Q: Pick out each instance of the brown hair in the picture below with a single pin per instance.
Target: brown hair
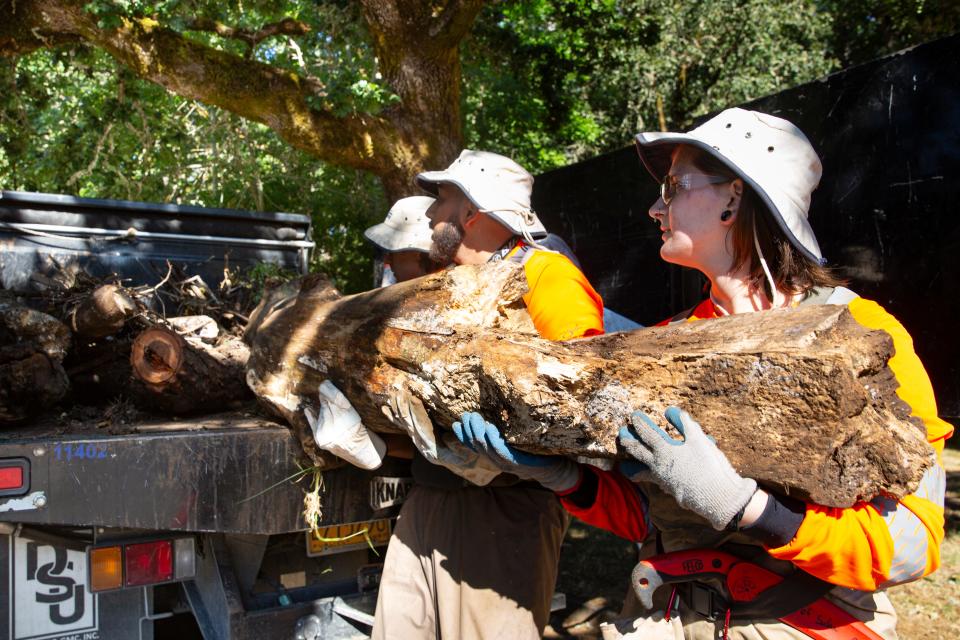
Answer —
(793, 272)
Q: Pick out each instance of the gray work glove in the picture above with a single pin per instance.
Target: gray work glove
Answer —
(407, 412)
(693, 470)
(553, 472)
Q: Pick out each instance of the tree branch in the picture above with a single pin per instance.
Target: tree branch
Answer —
(423, 130)
(454, 21)
(23, 29)
(251, 89)
(287, 26)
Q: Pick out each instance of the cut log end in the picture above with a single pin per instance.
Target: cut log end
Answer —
(184, 375)
(157, 355)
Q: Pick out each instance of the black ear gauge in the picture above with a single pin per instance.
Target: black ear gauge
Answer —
(726, 215)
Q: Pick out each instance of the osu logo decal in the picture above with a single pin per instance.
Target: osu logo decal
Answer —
(66, 598)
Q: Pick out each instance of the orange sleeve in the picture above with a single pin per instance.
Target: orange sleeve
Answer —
(618, 507)
(561, 302)
(876, 544)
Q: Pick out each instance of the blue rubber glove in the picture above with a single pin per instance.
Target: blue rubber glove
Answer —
(693, 470)
(553, 472)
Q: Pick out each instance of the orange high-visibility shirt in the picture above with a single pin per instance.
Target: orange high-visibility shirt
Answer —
(561, 301)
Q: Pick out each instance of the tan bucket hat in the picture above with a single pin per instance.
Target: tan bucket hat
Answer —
(769, 153)
(406, 227)
(497, 185)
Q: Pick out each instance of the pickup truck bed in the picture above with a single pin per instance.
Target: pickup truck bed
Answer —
(218, 473)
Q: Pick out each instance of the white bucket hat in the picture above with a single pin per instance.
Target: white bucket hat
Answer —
(497, 185)
(406, 227)
(768, 153)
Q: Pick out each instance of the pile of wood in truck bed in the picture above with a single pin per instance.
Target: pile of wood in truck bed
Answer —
(81, 344)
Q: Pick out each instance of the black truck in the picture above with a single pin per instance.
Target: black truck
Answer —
(191, 527)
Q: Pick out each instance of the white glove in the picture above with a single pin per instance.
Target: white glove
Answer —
(408, 413)
(339, 430)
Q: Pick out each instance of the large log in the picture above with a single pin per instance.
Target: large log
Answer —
(802, 400)
(32, 348)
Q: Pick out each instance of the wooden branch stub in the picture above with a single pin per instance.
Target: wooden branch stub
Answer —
(103, 313)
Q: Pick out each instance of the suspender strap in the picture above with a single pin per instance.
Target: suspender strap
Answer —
(751, 592)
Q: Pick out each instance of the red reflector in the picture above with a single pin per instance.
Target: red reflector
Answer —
(149, 562)
(11, 478)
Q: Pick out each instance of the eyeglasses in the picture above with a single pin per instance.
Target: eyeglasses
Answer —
(672, 184)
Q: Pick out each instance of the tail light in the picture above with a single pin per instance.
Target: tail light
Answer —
(106, 568)
(14, 476)
(148, 562)
(136, 564)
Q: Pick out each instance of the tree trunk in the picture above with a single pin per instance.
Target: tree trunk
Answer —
(802, 400)
(32, 348)
(182, 375)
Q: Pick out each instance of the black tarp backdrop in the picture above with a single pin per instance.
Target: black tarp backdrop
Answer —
(886, 213)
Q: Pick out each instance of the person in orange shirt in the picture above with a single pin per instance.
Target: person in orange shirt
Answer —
(735, 193)
(476, 556)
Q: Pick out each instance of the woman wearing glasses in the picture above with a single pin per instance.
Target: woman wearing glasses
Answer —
(735, 193)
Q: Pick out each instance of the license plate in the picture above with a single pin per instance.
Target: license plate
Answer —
(338, 538)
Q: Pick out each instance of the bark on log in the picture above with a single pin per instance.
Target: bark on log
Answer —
(182, 375)
(32, 347)
(99, 369)
(802, 400)
(279, 295)
(102, 313)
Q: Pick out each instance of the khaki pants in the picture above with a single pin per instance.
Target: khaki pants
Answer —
(471, 563)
